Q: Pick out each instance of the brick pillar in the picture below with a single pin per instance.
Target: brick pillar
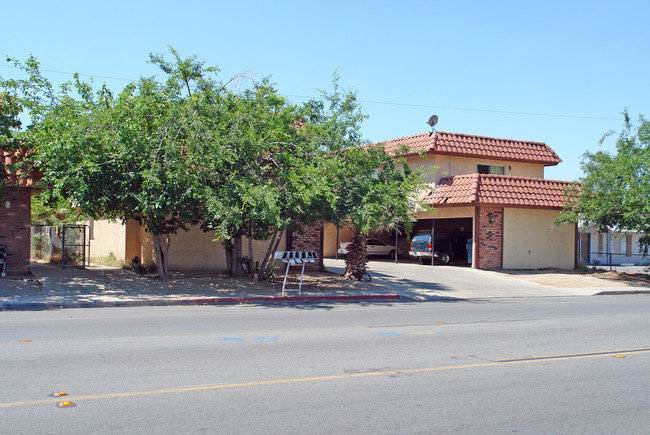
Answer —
(15, 224)
(311, 239)
(489, 232)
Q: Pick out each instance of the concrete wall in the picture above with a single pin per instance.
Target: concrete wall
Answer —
(107, 238)
(329, 239)
(531, 242)
(452, 165)
(133, 244)
(191, 250)
(196, 250)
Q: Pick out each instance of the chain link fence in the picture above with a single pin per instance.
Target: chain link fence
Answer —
(67, 245)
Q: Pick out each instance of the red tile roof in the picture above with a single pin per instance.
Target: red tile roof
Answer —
(498, 190)
(467, 145)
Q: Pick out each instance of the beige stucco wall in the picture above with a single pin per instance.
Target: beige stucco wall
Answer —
(134, 233)
(329, 239)
(446, 212)
(531, 242)
(452, 165)
(191, 250)
(196, 250)
(107, 238)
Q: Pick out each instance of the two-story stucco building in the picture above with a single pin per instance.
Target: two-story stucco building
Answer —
(494, 188)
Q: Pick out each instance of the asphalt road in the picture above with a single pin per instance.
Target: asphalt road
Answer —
(547, 365)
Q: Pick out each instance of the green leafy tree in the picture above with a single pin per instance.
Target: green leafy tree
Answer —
(47, 212)
(367, 189)
(120, 157)
(10, 109)
(373, 191)
(615, 189)
(260, 176)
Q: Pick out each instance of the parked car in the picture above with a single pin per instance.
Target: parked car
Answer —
(374, 247)
(448, 245)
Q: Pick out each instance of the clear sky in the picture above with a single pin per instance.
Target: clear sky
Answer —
(559, 72)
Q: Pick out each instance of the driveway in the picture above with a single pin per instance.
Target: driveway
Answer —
(426, 282)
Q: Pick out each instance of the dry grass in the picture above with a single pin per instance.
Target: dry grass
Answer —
(577, 279)
(313, 282)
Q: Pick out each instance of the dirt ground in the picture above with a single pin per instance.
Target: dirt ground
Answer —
(330, 282)
(579, 279)
(313, 282)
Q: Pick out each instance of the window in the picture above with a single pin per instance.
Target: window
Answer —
(628, 245)
(491, 169)
(600, 244)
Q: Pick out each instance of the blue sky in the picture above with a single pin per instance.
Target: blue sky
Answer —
(559, 72)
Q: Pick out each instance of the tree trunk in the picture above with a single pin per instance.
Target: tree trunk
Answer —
(237, 269)
(229, 248)
(161, 247)
(251, 265)
(268, 257)
(356, 259)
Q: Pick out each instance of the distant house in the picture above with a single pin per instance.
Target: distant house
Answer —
(610, 248)
(494, 189)
(15, 214)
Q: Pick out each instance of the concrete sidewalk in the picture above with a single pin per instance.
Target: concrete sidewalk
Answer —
(53, 287)
(422, 282)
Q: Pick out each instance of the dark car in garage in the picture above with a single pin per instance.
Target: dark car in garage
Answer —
(449, 245)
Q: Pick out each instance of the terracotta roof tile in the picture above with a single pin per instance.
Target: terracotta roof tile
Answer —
(468, 145)
(502, 190)
(458, 190)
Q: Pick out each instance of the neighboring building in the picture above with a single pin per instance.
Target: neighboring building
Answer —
(495, 189)
(16, 215)
(611, 248)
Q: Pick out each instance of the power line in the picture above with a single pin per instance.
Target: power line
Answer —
(70, 73)
(385, 103)
(467, 109)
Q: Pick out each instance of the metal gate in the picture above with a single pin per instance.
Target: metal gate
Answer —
(75, 244)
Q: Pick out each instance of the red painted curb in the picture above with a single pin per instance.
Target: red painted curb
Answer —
(250, 300)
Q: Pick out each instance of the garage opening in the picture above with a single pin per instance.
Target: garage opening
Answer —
(450, 242)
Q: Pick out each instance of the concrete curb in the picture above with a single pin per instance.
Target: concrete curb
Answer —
(623, 292)
(40, 306)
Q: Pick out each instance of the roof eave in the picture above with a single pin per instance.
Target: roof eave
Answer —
(499, 158)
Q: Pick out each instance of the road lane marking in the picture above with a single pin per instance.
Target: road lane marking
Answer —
(525, 360)
(576, 355)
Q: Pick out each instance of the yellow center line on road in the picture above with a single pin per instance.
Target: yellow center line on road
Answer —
(525, 360)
